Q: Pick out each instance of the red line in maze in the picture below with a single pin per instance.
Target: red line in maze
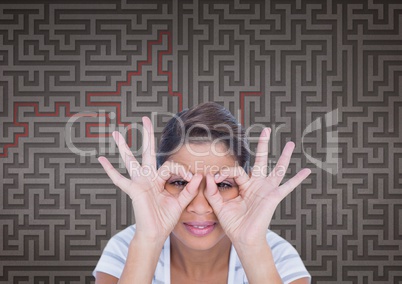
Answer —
(89, 102)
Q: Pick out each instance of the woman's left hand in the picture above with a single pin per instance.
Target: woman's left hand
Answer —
(245, 219)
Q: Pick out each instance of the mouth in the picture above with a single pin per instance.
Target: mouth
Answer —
(200, 229)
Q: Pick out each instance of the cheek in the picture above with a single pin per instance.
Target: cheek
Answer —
(173, 190)
(230, 194)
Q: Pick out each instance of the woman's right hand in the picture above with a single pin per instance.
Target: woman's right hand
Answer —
(156, 210)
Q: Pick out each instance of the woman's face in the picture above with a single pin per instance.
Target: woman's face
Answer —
(198, 227)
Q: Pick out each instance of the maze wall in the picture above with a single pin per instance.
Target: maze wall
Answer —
(326, 75)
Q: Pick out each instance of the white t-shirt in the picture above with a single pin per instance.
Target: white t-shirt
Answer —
(287, 260)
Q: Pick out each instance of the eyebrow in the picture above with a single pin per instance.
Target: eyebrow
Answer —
(177, 175)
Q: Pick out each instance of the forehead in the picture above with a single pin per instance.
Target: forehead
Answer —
(204, 158)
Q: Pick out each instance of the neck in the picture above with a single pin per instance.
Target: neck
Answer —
(197, 264)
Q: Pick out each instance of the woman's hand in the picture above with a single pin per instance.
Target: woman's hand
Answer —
(156, 210)
(246, 218)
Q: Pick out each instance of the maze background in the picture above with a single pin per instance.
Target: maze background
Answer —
(282, 64)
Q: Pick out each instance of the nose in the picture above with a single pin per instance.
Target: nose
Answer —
(200, 205)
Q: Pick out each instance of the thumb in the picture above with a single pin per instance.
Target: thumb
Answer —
(189, 192)
(212, 194)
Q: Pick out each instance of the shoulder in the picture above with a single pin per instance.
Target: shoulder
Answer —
(287, 259)
(114, 254)
(279, 246)
(120, 242)
(124, 237)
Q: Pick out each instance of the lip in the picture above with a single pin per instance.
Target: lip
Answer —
(200, 223)
(208, 227)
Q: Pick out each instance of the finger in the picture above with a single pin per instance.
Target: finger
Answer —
(148, 144)
(212, 193)
(291, 184)
(261, 160)
(237, 173)
(277, 174)
(119, 180)
(170, 168)
(190, 191)
(131, 163)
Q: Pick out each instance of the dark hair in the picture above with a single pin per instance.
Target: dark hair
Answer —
(203, 123)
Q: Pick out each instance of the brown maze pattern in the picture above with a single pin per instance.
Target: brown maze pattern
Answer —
(327, 71)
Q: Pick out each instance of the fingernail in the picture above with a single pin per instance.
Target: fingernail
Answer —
(217, 175)
(144, 121)
(189, 175)
(292, 144)
(115, 135)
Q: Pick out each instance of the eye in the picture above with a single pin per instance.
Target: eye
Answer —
(179, 183)
(224, 186)
(182, 183)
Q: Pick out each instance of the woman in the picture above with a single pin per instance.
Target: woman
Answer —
(201, 216)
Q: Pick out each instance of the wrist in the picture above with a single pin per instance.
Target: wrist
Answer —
(258, 262)
(251, 247)
(249, 242)
(141, 261)
(142, 241)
